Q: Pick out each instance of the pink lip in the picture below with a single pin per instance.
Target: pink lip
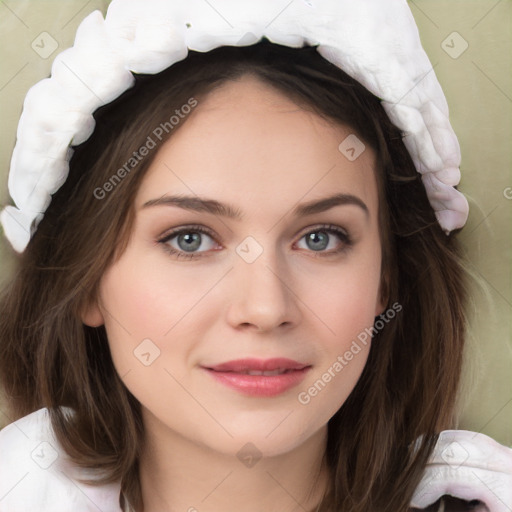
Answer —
(259, 385)
(240, 365)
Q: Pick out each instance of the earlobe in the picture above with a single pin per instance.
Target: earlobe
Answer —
(383, 298)
(91, 315)
(381, 307)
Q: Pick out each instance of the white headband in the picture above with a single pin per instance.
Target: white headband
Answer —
(375, 42)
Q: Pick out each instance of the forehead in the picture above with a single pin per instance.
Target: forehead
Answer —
(250, 144)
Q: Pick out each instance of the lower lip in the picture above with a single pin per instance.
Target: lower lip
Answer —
(260, 385)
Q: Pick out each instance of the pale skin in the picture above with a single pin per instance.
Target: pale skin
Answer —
(251, 147)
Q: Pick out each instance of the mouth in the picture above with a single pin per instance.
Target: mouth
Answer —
(263, 378)
(278, 364)
(268, 373)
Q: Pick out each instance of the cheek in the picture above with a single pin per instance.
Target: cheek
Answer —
(346, 309)
(152, 302)
(135, 309)
(147, 300)
(346, 303)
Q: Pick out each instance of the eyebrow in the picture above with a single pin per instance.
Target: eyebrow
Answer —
(215, 207)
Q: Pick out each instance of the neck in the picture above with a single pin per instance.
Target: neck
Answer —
(178, 474)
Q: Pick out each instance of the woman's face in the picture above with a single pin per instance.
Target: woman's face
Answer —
(292, 275)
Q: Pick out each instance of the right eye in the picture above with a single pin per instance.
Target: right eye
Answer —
(188, 240)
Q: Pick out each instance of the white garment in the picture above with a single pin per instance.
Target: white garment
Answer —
(37, 475)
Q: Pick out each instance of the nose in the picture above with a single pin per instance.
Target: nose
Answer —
(263, 297)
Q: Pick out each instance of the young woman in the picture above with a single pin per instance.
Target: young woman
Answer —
(240, 297)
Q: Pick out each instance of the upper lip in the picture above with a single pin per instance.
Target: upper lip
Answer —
(241, 365)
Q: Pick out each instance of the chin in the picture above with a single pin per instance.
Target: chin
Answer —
(252, 440)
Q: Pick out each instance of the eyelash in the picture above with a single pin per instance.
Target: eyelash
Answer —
(329, 228)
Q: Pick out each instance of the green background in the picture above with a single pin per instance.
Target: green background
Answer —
(478, 86)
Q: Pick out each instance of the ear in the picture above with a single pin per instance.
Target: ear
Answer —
(91, 315)
(383, 297)
(380, 307)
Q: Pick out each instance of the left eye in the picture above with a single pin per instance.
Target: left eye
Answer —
(319, 239)
(190, 239)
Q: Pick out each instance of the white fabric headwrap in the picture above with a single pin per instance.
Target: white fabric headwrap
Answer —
(375, 42)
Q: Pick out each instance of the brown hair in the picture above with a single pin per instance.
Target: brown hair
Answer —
(380, 439)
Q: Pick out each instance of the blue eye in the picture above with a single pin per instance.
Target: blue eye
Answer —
(187, 238)
(319, 239)
(190, 238)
